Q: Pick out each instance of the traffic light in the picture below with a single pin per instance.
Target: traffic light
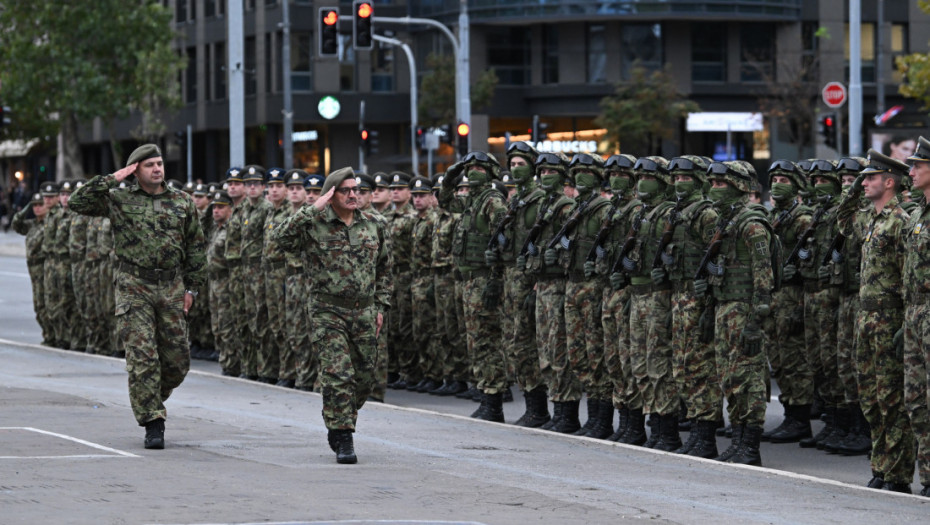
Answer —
(4, 116)
(328, 27)
(421, 137)
(361, 25)
(828, 129)
(538, 132)
(369, 139)
(445, 133)
(462, 131)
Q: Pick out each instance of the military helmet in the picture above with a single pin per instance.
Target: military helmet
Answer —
(823, 168)
(486, 160)
(654, 166)
(850, 165)
(693, 166)
(734, 173)
(788, 169)
(622, 163)
(522, 149)
(584, 161)
(556, 161)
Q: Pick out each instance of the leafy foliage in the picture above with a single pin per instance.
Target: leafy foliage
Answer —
(436, 104)
(644, 111)
(916, 70)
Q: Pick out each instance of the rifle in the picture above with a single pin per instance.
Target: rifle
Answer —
(498, 238)
(716, 242)
(784, 215)
(573, 220)
(597, 251)
(673, 219)
(834, 252)
(529, 246)
(630, 241)
(805, 235)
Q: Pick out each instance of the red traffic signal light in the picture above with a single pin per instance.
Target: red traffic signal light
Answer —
(331, 17)
(462, 129)
(364, 10)
(364, 134)
(362, 31)
(828, 121)
(328, 28)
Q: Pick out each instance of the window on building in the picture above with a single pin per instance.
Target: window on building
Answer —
(301, 59)
(809, 46)
(219, 71)
(866, 49)
(597, 53)
(269, 3)
(382, 68)
(709, 52)
(346, 63)
(509, 54)
(249, 5)
(190, 76)
(550, 54)
(757, 52)
(269, 63)
(209, 8)
(640, 44)
(180, 11)
(250, 61)
(898, 47)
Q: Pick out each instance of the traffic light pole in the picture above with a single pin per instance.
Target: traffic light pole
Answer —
(414, 160)
(287, 139)
(236, 85)
(361, 143)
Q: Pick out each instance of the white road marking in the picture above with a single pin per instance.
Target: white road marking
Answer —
(14, 274)
(69, 438)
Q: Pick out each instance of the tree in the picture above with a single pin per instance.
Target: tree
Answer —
(436, 104)
(66, 63)
(916, 70)
(792, 103)
(644, 111)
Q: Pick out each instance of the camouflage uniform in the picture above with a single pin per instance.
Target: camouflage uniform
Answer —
(279, 362)
(879, 366)
(94, 255)
(77, 250)
(26, 223)
(219, 295)
(108, 338)
(199, 319)
(260, 354)
(59, 297)
(350, 286)
(452, 351)
(237, 308)
(402, 355)
(422, 292)
(160, 247)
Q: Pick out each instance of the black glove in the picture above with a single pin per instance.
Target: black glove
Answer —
(789, 272)
(618, 280)
(551, 257)
(491, 297)
(452, 173)
(856, 187)
(491, 257)
(751, 340)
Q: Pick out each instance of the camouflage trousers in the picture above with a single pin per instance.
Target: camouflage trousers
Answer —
(93, 308)
(59, 298)
(584, 337)
(256, 312)
(423, 327)
(650, 341)
(223, 321)
(743, 376)
(468, 360)
(153, 332)
(37, 277)
(880, 374)
(452, 351)
(270, 364)
(787, 351)
(108, 285)
(820, 314)
(916, 355)
(518, 326)
(484, 337)
(348, 348)
(551, 340)
(695, 362)
(845, 346)
(201, 331)
(242, 336)
(299, 327)
(400, 332)
(80, 334)
(615, 323)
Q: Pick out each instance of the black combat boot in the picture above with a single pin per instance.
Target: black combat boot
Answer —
(556, 416)
(669, 438)
(592, 418)
(877, 481)
(894, 486)
(344, 447)
(859, 441)
(797, 425)
(636, 429)
(788, 416)
(623, 421)
(841, 428)
(569, 423)
(706, 444)
(604, 426)
(748, 451)
(828, 418)
(155, 434)
(537, 409)
(734, 443)
(654, 431)
(493, 405)
(692, 439)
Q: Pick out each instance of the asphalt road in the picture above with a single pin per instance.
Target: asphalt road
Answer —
(243, 452)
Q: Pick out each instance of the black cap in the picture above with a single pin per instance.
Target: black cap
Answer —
(295, 176)
(275, 175)
(382, 180)
(399, 180)
(420, 185)
(221, 198)
(922, 154)
(314, 181)
(253, 172)
(365, 180)
(234, 174)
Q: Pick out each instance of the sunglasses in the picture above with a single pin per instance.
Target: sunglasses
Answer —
(479, 156)
(347, 191)
(618, 162)
(520, 146)
(582, 159)
(783, 165)
(548, 158)
(646, 165)
(682, 164)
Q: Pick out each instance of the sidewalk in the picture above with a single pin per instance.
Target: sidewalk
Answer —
(12, 244)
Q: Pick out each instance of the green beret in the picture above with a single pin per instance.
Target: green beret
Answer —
(922, 154)
(334, 179)
(144, 152)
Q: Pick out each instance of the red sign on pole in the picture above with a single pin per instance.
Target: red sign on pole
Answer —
(834, 94)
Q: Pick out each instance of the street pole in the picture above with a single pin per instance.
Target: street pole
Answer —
(288, 113)
(855, 77)
(413, 97)
(190, 154)
(361, 144)
(236, 85)
(462, 76)
(880, 60)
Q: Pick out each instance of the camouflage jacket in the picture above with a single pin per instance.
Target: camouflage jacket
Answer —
(216, 251)
(745, 259)
(883, 248)
(917, 259)
(441, 239)
(77, 237)
(792, 221)
(93, 251)
(51, 228)
(253, 229)
(155, 232)
(401, 229)
(271, 252)
(422, 236)
(619, 220)
(350, 262)
(34, 230)
(234, 232)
